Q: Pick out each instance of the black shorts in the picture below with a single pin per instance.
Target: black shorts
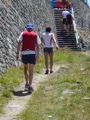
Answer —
(49, 50)
(69, 22)
(64, 21)
(30, 58)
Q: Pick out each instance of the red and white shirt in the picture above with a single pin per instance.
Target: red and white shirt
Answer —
(47, 40)
(28, 42)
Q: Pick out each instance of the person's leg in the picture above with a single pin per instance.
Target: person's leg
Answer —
(26, 75)
(26, 72)
(51, 62)
(31, 67)
(64, 23)
(71, 28)
(68, 28)
(32, 62)
(63, 4)
(46, 61)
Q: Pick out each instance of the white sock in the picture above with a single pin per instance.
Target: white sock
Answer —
(30, 85)
(50, 69)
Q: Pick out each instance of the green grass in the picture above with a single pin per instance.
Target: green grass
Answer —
(11, 79)
(62, 95)
(8, 81)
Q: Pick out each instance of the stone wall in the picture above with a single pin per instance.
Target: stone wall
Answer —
(82, 13)
(14, 15)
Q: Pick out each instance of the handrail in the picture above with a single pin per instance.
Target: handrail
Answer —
(75, 29)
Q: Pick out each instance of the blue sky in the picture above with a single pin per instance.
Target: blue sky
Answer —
(88, 1)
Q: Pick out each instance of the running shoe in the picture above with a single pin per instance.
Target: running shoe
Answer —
(46, 71)
(30, 89)
(51, 71)
(26, 87)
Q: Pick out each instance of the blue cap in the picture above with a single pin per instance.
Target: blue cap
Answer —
(30, 25)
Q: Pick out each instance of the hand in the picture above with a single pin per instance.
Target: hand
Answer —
(37, 60)
(57, 48)
(17, 57)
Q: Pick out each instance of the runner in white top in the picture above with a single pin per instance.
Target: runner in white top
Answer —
(64, 15)
(48, 39)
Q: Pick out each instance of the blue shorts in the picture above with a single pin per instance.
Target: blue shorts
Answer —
(49, 50)
(30, 58)
(69, 22)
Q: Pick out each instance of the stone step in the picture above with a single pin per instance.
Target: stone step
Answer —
(63, 39)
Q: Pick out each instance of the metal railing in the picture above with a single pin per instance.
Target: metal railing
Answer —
(76, 31)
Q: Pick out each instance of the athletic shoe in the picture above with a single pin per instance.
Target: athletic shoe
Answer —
(51, 71)
(26, 87)
(30, 90)
(46, 71)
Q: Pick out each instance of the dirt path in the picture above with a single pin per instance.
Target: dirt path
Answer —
(20, 97)
(86, 53)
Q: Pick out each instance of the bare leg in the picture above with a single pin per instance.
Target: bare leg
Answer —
(68, 28)
(51, 60)
(71, 26)
(46, 59)
(31, 67)
(26, 72)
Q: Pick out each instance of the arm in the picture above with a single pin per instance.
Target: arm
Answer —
(37, 48)
(18, 49)
(72, 17)
(54, 40)
(42, 41)
(37, 52)
(19, 45)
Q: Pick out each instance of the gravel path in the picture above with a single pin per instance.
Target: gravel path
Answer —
(21, 97)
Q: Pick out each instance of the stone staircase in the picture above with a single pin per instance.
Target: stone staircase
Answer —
(63, 39)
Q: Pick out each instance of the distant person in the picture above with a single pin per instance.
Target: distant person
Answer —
(69, 4)
(69, 20)
(47, 41)
(63, 3)
(65, 12)
(27, 42)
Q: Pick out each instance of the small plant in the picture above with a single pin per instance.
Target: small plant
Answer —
(7, 94)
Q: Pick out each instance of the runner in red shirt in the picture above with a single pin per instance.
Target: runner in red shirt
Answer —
(29, 41)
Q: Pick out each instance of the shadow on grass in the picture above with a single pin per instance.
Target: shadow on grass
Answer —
(21, 93)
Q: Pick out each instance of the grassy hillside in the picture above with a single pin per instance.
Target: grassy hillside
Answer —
(64, 95)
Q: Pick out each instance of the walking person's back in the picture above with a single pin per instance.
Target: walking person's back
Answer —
(28, 41)
(47, 42)
(69, 20)
(65, 12)
(63, 3)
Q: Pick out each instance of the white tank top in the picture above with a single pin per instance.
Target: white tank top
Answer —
(47, 40)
